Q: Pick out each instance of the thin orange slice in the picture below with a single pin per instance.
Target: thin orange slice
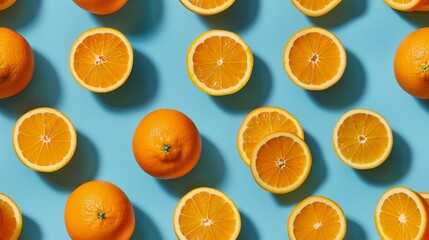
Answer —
(317, 218)
(362, 139)
(10, 219)
(259, 124)
(219, 62)
(406, 5)
(314, 59)
(44, 139)
(101, 59)
(207, 7)
(281, 162)
(206, 214)
(315, 8)
(402, 214)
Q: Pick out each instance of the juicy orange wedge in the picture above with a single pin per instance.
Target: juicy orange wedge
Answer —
(315, 8)
(207, 7)
(407, 5)
(10, 219)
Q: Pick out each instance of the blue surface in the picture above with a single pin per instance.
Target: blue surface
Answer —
(161, 32)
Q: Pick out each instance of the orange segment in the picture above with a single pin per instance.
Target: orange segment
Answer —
(10, 219)
(317, 218)
(362, 139)
(314, 59)
(406, 5)
(262, 122)
(281, 162)
(315, 8)
(402, 214)
(44, 139)
(206, 214)
(101, 59)
(219, 62)
(207, 7)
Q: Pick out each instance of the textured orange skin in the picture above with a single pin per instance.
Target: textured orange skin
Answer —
(412, 54)
(87, 201)
(175, 129)
(101, 7)
(16, 63)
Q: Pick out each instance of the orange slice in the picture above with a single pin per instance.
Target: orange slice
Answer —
(315, 8)
(316, 218)
(402, 214)
(101, 59)
(314, 59)
(44, 139)
(10, 219)
(362, 139)
(207, 7)
(405, 5)
(206, 214)
(4, 4)
(281, 162)
(262, 122)
(425, 196)
(219, 62)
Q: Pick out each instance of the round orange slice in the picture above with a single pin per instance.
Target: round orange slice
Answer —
(44, 139)
(314, 58)
(101, 59)
(10, 219)
(207, 7)
(219, 62)
(281, 162)
(206, 213)
(402, 214)
(262, 122)
(317, 218)
(406, 5)
(362, 139)
(315, 8)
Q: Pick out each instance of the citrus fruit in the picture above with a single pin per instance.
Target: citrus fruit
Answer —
(317, 217)
(424, 8)
(207, 7)
(401, 214)
(44, 139)
(260, 123)
(167, 144)
(99, 210)
(315, 8)
(362, 139)
(314, 58)
(206, 214)
(425, 196)
(16, 62)
(4, 4)
(101, 7)
(405, 5)
(281, 162)
(411, 64)
(219, 62)
(101, 59)
(10, 219)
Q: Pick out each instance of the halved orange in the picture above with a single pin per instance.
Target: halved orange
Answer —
(44, 139)
(362, 139)
(207, 7)
(219, 62)
(260, 123)
(317, 217)
(315, 8)
(10, 219)
(207, 214)
(101, 59)
(402, 214)
(425, 196)
(314, 58)
(405, 5)
(281, 162)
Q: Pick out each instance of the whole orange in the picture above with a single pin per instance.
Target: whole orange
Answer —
(99, 210)
(16, 62)
(101, 7)
(411, 63)
(167, 144)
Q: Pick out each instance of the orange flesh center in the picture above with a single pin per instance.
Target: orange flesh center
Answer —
(314, 5)
(7, 221)
(208, 4)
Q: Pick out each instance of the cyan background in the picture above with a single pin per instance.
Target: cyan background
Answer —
(161, 32)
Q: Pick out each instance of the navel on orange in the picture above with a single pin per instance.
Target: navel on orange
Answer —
(405, 5)
(315, 8)
(206, 214)
(4, 4)
(207, 7)
(219, 62)
(362, 139)
(44, 139)
(262, 122)
(314, 58)
(317, 218)
(101, 59)
(10, 219)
